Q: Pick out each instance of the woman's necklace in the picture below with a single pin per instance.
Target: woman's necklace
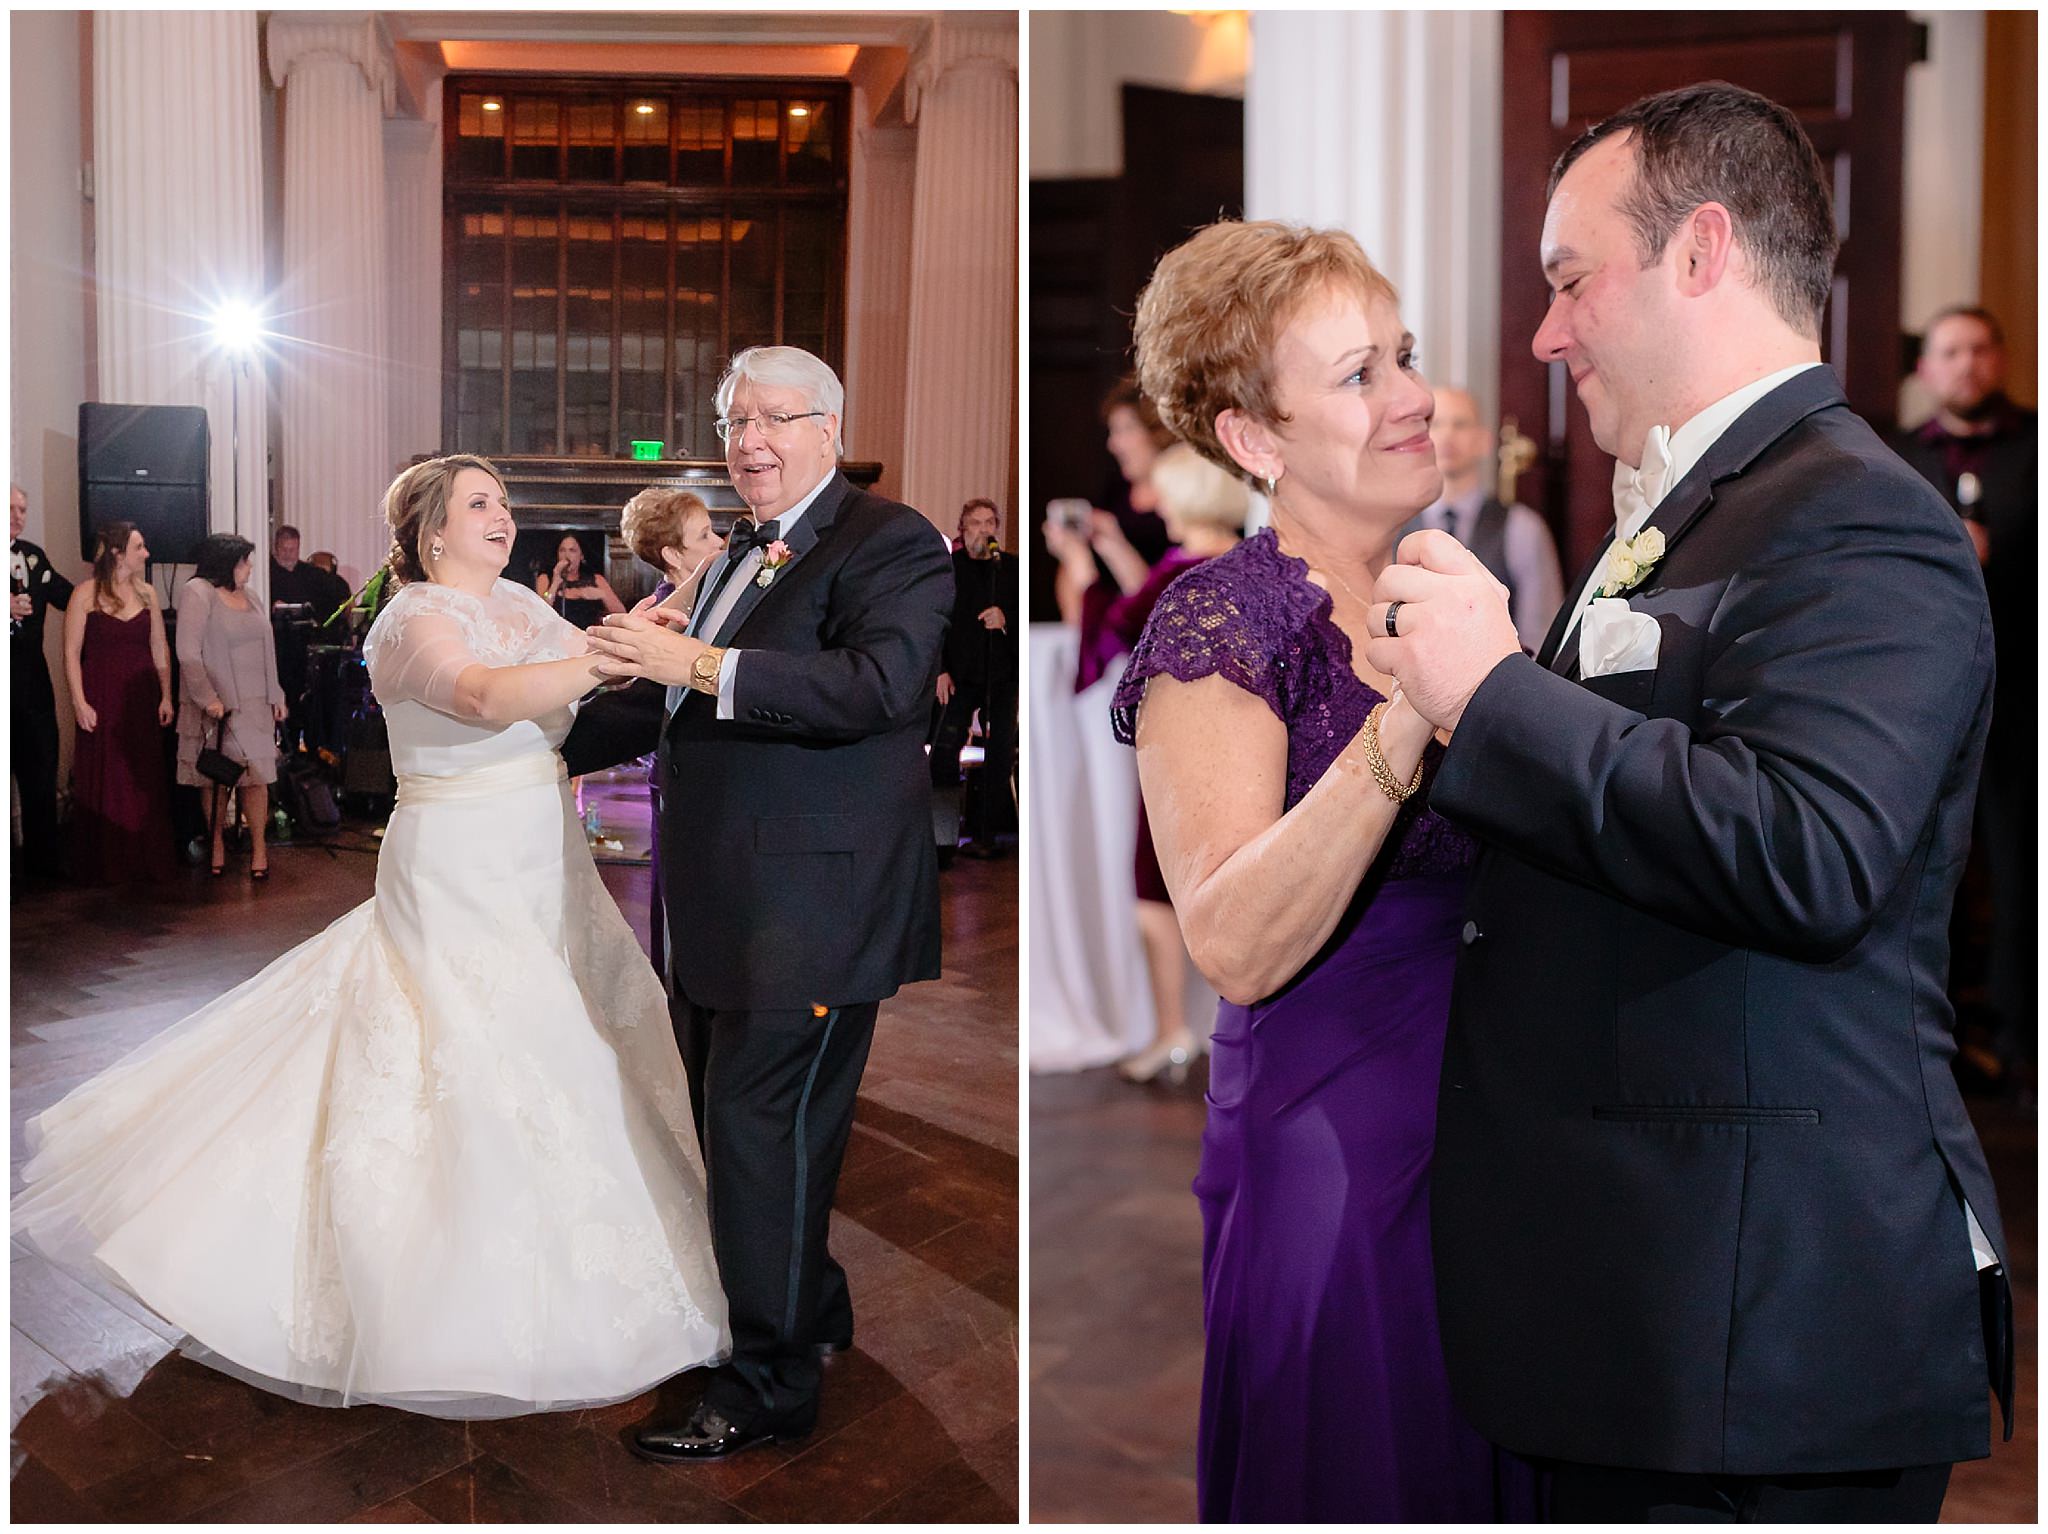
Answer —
(1331, 573)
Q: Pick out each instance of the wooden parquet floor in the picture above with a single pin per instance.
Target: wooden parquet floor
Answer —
(919, 1423)
(1116, 1305)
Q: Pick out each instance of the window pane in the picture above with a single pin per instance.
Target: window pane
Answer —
(536, 238)
(700, 349)
(480, 332)
(756, 143)
(809, 269)
(592, 156)
(751, 306)
(480, 135)
(700, 141)
(646, 139)
(587, 381)
(643, 324)
(536, 139)
(811, 131)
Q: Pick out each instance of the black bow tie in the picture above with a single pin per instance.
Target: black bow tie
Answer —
(753, 535)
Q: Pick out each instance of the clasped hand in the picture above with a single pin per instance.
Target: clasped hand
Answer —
(1453, 627)
(646, 643)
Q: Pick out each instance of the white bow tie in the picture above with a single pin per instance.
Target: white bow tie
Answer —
(1637, 491)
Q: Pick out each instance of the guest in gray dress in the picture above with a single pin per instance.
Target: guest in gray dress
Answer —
(228, 670)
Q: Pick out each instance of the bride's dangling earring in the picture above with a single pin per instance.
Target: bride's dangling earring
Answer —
(435, 551)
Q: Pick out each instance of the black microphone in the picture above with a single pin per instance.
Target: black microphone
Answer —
(995, 549)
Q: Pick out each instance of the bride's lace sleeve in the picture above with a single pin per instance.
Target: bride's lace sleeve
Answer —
(552, 637)
(417, 648)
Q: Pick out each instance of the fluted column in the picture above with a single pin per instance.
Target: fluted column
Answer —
(959, 437)
(412, 179)
(338, 85)
(878, 296)
(178, 226)
(1387, 123)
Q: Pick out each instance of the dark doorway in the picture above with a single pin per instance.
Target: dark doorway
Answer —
(1093, 244)
(1842, 72)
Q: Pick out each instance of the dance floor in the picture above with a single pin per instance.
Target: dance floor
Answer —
(918, 1423)
(1116, 1305)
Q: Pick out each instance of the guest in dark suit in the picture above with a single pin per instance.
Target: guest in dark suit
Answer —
(35, 587)
(980, 673)
(1712, 1229)
(1983, 453)
(798, 866)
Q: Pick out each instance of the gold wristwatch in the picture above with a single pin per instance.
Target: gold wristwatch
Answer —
(704, 670)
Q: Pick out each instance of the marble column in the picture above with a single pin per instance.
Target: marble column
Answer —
(1387, 123)
(878, 294)
(959, 435)
(412, 232)
(336, 75)
(177, 196)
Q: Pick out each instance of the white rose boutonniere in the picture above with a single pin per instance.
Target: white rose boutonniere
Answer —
(1630, 560)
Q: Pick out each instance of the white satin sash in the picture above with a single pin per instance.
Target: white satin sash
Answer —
(533, 771)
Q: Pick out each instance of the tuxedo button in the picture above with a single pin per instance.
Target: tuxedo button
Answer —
(1471, 934)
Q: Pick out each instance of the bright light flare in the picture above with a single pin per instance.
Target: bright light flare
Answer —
(237, 328)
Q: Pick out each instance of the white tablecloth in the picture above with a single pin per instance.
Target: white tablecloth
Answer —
(1090, 1002)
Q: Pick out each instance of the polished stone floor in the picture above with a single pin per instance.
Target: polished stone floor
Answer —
(1116, 1305)
(919, 1423)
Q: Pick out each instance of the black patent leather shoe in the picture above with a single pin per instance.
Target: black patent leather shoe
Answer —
(707, 1434)
(833, 1347)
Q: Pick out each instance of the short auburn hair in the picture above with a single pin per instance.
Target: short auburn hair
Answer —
(655, 518)
(1215, 305)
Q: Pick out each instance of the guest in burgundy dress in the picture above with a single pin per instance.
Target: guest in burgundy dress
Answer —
(1204, 509)
(671, 530)
(118, 666)
(1314, 888)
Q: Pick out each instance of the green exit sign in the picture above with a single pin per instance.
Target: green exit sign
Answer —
(647, 451)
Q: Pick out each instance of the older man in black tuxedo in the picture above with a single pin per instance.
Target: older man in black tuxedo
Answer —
(1712, 1229)
(798, 865)
(35, 587)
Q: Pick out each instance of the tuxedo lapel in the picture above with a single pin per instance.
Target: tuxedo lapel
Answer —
(1734, 451)
(802, 538)
(1547, 654)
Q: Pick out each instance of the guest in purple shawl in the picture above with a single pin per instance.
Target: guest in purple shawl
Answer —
(671, 530)
(1204, 509)
(1315, 889)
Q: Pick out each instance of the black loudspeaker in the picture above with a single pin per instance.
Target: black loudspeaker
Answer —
(145, 464)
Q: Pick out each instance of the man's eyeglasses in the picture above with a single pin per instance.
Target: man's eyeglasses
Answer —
(771, 425)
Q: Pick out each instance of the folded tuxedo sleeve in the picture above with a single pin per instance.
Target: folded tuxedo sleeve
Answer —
(890, 605)
(1841, 683)
(616, 727)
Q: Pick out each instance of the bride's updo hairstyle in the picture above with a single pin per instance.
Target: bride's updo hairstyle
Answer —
(416, 508)
(1215, 305)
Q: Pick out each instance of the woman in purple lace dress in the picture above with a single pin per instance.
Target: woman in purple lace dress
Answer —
(1315, 889)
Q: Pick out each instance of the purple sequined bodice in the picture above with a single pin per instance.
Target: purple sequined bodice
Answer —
(1254, 617)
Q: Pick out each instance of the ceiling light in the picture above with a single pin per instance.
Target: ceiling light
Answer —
(645, 109)
(799, 111)
(493, 106)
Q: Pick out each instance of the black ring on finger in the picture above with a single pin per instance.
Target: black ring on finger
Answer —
(1392, 632)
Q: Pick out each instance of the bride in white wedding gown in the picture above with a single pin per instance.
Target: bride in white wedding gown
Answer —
(439, 1156)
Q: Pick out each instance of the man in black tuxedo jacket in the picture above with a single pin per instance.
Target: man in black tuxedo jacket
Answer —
(1712, 1230)
(798, 866)
(35, 587)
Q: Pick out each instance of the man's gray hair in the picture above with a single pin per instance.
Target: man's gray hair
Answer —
(788, 367)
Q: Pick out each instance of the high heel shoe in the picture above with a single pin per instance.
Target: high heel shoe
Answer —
(1170, 1057)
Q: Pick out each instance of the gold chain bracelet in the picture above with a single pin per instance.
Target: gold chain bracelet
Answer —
(1382, 774)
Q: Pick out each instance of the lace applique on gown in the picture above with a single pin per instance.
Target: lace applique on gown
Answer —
(440, 1155)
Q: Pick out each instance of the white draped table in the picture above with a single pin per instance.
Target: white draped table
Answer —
(1090, 999)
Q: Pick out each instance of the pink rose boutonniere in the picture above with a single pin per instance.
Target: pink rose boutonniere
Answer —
(773, 558)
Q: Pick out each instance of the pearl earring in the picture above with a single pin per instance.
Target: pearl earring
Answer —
(435, 552)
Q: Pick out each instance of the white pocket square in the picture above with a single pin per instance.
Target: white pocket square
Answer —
(1614, 637)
